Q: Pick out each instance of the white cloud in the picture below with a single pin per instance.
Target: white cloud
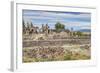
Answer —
(86, 27)
(51, 15)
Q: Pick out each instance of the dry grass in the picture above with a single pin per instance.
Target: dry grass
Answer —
(42, 54)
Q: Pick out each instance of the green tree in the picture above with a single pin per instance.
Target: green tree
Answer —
(24, 27)
(23, 24)
(79, 33)
(59, 27)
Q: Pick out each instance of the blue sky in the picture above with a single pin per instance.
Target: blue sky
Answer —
(75, 20)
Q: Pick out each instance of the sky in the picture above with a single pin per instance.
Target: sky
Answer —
(75, 20)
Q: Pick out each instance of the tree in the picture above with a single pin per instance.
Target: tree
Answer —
(72, 29)
(23, 24)
(31, 24)
(59, 27)
(28, 26)
(79, 33)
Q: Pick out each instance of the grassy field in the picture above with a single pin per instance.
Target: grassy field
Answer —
(56, 53)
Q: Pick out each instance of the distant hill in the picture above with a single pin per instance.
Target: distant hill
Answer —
(85, 30)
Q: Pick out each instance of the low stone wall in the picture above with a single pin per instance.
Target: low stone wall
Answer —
(29, 43)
